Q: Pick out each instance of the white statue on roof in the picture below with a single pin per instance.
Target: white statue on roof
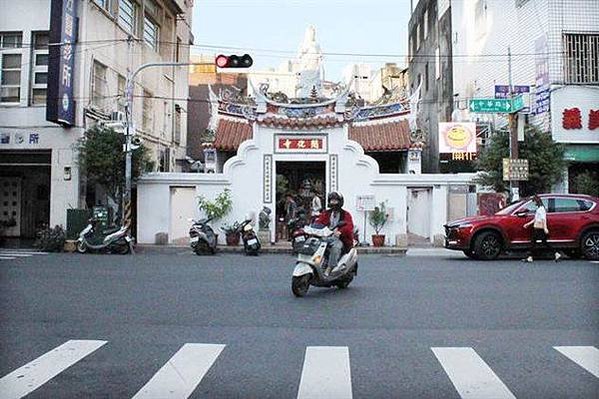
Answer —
(309, 65)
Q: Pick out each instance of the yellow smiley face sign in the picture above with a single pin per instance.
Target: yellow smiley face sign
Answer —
(458, 137)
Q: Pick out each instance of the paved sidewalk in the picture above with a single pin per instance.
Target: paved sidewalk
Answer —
(267, 249)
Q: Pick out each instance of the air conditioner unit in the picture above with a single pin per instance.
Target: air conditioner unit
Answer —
(117, 116)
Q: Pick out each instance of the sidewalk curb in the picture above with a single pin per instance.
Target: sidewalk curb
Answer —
(150, 248)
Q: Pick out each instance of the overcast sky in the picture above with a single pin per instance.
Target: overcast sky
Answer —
(272, 30)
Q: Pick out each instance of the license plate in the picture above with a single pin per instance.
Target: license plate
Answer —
(300, 239)
(252, 241)
(194, 239)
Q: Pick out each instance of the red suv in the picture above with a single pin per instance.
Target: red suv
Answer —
(573, 222)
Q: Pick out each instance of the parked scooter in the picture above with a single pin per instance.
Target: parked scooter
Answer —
(201, 237)
(295, 227)
(115, 240)
(251, 243)
(312, 261)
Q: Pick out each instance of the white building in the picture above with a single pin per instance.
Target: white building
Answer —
(555, 54)
(358, 78)
(37, 158)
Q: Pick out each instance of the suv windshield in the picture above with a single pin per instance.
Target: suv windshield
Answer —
(511, 208)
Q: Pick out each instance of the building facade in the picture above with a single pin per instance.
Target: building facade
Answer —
(111, 38)
(431, 70)
(554, 48)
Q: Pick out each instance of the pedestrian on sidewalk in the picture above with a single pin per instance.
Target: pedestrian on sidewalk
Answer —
(540, 230)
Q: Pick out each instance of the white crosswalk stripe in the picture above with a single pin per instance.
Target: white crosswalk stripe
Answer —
(586, 357)
(471, 376)
(178, 378)
(326, 373)
(34, 374)
(11, 254)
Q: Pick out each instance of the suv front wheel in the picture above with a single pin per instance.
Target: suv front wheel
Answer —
(589, 245)
(487, 245)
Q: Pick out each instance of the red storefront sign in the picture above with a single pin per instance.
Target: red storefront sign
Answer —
(572, 119)
(300, 144)
(593, 119)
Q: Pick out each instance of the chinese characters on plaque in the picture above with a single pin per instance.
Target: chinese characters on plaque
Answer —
(312, 144)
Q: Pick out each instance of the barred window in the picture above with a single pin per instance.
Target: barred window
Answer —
(150, 33)
(128, 15)
(581, 53)
(10, 66)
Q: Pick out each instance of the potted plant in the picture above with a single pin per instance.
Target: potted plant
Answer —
(378, 218)
(217, 209)
(232, 233)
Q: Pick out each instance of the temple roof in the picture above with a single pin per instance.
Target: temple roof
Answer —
(230, 134)
(379, 137)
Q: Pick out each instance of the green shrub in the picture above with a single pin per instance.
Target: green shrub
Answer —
(587, 183)
(218, 208)
(378, 217)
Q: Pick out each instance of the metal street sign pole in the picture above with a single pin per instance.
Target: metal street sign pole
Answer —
(126, 219)
(513, 125)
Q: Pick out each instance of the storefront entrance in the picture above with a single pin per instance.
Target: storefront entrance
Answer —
(297, 182)
(24, 192)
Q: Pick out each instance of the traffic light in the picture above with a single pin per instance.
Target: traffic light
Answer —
(233, 61)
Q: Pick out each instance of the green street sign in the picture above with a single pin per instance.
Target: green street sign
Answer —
(517, 103)
(496, 105)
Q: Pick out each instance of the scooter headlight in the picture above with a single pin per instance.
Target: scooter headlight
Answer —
(317, 259)
(247, 227)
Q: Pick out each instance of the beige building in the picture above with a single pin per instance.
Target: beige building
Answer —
(37, 157)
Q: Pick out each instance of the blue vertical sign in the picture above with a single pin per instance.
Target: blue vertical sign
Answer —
(541, 104)
(60, 106)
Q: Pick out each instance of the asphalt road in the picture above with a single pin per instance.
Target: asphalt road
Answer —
(416, 326)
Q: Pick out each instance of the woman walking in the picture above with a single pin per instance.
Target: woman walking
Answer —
(540, 230)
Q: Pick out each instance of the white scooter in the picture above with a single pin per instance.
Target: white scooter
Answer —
(115, 240)
(312, 261)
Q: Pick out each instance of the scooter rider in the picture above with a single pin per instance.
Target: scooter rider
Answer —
(344, 235)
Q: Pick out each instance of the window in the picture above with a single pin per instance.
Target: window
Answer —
(177, 124)
(11, 40)
(581, 63)
(417, 37)
(10, 67)
(425, 23)
(105, 4)
(121, 87)
(150, 33)
(164, 160)
(147, 111)
(585, 205)
(128, 15)
(438, 63)
(39, 68)
(100, 85)
(177, 50)
(426, 77)
(10, 79)
(565, 205)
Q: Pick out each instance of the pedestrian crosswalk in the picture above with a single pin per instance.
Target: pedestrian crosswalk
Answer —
(326, 370)
(11, 254)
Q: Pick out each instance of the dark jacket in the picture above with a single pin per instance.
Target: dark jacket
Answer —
(347, 231)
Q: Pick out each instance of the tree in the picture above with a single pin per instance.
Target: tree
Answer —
(545, 161)
(102, 158)
(587, 183)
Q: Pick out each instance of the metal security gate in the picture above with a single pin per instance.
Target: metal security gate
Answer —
(10, 205)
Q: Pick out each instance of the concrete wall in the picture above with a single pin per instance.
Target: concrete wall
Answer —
(243, 175)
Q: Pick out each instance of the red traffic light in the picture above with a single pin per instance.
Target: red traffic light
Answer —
(233, 61)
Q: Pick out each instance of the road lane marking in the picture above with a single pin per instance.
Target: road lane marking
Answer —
(16, 255)
(586, 357)
(182, 373)
(326, 373)
(36, 373)
(471, 376)
(7, 258)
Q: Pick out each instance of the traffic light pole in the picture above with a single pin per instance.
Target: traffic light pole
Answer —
(126, 219)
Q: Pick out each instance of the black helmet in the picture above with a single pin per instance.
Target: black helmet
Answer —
(335, 196)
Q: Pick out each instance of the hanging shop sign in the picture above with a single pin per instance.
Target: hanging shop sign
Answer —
(60, 106)
(300, 144)
(515, 169)
(457, 137)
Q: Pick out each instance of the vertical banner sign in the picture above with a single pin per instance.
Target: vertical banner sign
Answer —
(541, 104)
(60, 107)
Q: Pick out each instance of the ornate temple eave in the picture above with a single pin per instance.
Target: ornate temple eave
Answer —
(261, 97)
(319, 122)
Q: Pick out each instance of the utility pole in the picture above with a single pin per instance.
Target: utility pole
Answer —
(513, 126)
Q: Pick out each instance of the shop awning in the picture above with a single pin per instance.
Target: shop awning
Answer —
(391, 136)
(230, 134)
